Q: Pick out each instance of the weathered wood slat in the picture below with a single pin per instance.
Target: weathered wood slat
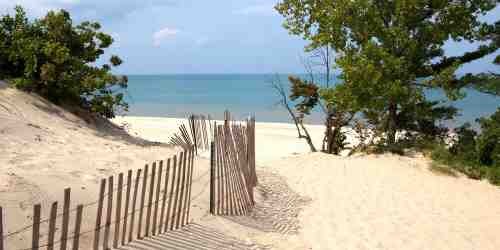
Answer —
(118, 212)
(109, 211)
(97, 232)
(164, 199)
(150, 200)
(127, 204)
(178, 182)
(78, 224)
(35, 238)
(134, 201)
(181, 194)
(52, 226)
(65, 219)
(168, 219)
(157, 198)
(141, 205)
(190, 183)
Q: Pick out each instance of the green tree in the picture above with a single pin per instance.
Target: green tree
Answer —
(389, 52)
(57, 59)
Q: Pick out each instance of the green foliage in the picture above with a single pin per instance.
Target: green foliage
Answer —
(475, 154)
(488, 143)
(56, 59)
(442, 169)
(390, 52)
(308, 95)
(304, 93)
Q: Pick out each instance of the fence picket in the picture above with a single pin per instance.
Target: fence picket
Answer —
(134, 201)
(35, 239)
(109, 211)
(174, 211)
(150, 200)
(78, 223)
(65, 220)
(164, 200)
(182, 201)
(191, 163)
(118, 210)
(168, 220)
(97, 232)
(52, 226)
(143, 197)
(158, 186)
(127, 201)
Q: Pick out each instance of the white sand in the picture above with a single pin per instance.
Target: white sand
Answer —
(304, 200)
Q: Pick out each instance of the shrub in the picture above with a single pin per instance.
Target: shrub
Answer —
(477, 155)
(56, 59)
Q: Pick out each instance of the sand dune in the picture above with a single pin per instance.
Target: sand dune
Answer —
(44, 149)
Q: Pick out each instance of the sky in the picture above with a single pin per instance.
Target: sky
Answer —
(199, 36)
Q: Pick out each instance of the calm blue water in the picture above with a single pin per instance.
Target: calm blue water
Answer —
(179, 95)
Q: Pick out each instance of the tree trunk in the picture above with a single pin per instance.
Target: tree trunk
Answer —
(308, 137)
(391, 126)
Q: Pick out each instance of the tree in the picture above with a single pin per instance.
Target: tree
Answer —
(298, 119)
(391, 51)
(56, 59)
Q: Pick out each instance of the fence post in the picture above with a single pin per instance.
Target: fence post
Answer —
(1, 228)
(97, 232)
(150, 200)
(191, 166)
(35, 240)
(181, 195)
(108, 213)
(118, 210)
(143, 197)
(186, 207)
(174, 211)
(78, 223)
(174, 166)
(162, 225)
(127, 201)
(212, 177)
(65, 220)
(158, 187)
(134, 200)
(52, 226)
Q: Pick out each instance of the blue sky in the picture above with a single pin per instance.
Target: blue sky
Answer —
(198, 36)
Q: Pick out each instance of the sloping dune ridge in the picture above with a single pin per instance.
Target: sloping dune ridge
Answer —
(44, 149)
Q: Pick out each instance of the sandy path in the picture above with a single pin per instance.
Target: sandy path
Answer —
(390, 202)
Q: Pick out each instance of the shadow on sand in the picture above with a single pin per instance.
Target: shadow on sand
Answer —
(192, 237)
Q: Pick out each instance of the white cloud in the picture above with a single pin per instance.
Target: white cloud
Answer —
(266, 9)
(163, 34)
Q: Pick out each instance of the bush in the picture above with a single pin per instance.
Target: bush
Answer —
(56, 59)
(475, 155)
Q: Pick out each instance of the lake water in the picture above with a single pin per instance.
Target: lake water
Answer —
(242, 94)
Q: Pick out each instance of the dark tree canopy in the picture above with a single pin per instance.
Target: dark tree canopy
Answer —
(389, 52)
(56, 59)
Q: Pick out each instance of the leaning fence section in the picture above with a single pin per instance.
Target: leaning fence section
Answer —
(130, 206)
(197, 133)
(232, 167)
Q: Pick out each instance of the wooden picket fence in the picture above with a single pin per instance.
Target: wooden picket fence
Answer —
(164, 205)
(198, 135)
(232, 167)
